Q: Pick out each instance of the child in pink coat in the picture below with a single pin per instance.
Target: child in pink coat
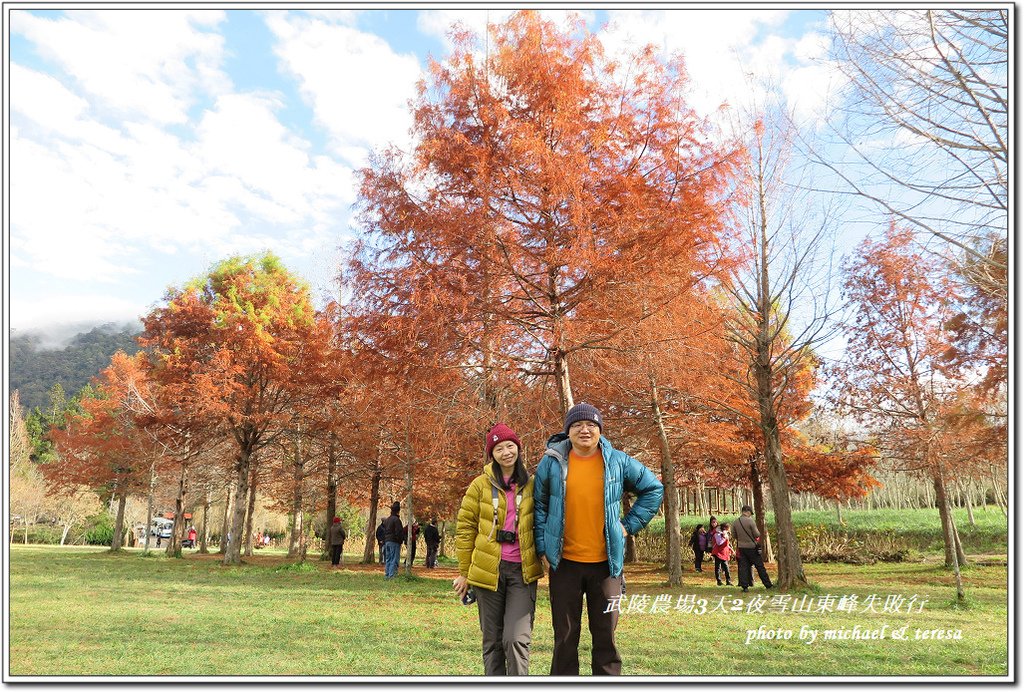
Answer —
(721, 550)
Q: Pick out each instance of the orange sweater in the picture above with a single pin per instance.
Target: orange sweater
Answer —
(584, 509)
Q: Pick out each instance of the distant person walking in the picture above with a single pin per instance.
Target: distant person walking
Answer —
(337, 537)
(699, 543)
(722, 552)
(393, 531)
(192, 537)
(748, 544)
(380, 540)
(432, 538)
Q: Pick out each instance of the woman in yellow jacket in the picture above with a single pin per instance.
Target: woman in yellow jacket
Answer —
(495, 546)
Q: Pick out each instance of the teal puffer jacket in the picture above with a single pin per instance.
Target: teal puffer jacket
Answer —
(620, 471)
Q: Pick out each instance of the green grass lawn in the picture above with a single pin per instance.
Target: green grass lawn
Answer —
(84, 611)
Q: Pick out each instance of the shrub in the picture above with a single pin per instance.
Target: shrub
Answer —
(99, 529)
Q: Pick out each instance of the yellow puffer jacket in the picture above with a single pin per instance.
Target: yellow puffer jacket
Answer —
(476, 544)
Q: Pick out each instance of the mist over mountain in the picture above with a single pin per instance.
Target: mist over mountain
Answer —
(71, 354)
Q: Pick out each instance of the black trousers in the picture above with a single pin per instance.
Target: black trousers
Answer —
(336, 553)
(380, 551)
(698, 559)
(722, 566)
(751, 557)
(432, 554)
(568, 584)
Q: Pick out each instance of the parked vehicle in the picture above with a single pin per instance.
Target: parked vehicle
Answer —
(161, 527)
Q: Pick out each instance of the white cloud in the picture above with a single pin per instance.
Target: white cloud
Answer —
(730, 54)
(134, 63)
(357, 86)
(67, 307)
(110, 193)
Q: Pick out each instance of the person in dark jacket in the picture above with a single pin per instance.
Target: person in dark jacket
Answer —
(380, 541)
(432, 538)
(699, 543)
(580, 535)
(337, 536)
(748, 544)
(393, 531)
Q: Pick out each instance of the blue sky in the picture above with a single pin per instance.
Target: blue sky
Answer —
(148, 144)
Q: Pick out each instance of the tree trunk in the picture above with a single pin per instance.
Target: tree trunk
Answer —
(178, 530)
(996, 493)
(64, 533)
(229, 505)
(295, 540)
(371, 523)
(332, 487)
(149, 505)
(790, 565)
(250, 510)
(411, 517)
(304, 538)
(699, 501)
(839, 512)
(295, 543)
(332, 495)
(953, 551)
(440, 547)
(204, 535)
(115, 543)
(965, 492)
(757, 490)
(565, 399)
(673, 557)
(233, 554)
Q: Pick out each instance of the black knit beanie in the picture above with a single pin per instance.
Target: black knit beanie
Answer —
(582, 412)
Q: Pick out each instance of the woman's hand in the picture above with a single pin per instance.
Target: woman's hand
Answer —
(461, 585)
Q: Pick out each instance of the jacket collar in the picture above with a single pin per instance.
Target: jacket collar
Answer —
(559, 446)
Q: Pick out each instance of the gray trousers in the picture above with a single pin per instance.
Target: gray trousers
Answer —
(506, 620)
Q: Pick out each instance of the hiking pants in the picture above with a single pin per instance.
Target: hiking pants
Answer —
(506, 620)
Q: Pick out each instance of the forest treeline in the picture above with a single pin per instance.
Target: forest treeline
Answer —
(35, 368)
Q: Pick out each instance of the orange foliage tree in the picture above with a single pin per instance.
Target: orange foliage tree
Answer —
(544, 176)
(895, 379)
(102, 447)
(231, 351)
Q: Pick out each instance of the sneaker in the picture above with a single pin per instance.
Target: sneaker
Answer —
(744, 589)
(719, 583)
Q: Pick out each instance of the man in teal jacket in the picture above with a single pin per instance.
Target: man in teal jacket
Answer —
(581, 537)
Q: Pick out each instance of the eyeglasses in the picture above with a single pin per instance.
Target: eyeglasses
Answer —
(583, 424)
